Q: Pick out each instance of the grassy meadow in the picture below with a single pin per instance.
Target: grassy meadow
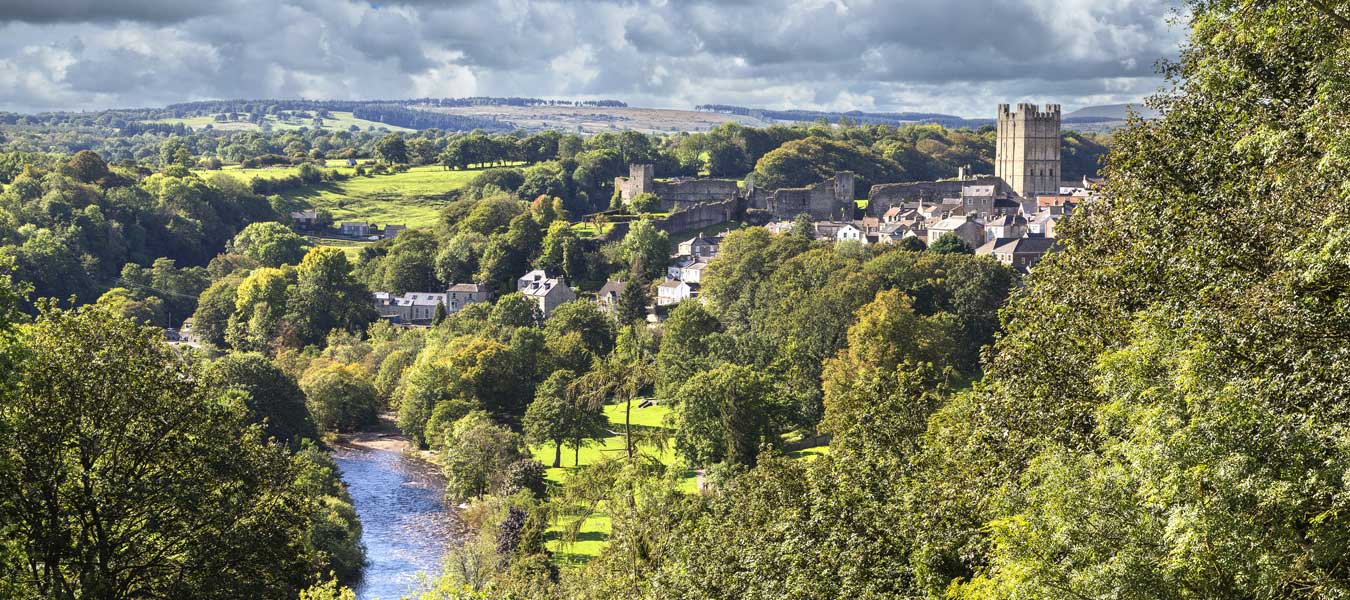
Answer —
(413, 198)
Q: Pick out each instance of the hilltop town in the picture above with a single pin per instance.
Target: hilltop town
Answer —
(1010, 216)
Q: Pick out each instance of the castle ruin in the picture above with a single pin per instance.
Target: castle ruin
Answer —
(675, 195)
(1026, 165)
(828, 199)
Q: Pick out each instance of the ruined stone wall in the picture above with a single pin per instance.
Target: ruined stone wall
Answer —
(680, 195)
(829, 199)
(886, 195)
(700, 215)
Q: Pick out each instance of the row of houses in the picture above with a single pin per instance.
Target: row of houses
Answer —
(1017, 232)
(684, 275)
(419, 308)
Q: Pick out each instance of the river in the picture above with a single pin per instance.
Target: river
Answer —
(406, 523)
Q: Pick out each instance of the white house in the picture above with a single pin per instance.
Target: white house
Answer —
(694, 272)
(672, 291)
(548, 293)
(849, 232)
(687, 269)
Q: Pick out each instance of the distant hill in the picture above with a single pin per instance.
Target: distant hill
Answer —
(1114, 112)
(903, 118)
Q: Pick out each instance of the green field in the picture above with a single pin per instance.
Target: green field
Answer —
(338, 121)
(594, 533)
(413, 198)
(349, 247)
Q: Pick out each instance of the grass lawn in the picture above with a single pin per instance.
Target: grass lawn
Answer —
(588, 229)
(861, 204)
(595, 532)
(338, 121)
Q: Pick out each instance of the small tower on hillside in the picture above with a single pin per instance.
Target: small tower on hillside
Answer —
(1027, 156)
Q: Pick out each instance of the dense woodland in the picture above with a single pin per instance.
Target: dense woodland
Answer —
(1156, 411)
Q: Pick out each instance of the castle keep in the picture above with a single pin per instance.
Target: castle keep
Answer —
(1027, 154)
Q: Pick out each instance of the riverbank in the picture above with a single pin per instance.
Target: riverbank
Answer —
(399, 494)
(385, 435)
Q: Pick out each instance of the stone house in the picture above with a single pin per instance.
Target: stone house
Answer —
(305, 219)
(416, 308)
(1005, 226)
(1020, 253)
(698, 246)
(978, 199)
(608, 296)
(894, 214)
(392, 231)
(548, 293)
(890, 233)
(356, 229)
(461, 295)
(967, 228)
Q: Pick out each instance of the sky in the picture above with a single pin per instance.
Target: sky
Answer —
(951, 56)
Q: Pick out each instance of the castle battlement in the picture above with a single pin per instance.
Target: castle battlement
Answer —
(1029, 112)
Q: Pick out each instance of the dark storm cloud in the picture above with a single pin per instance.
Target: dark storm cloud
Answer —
(947, 55)
(82, 11)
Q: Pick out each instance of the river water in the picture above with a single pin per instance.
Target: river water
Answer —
(407, 526)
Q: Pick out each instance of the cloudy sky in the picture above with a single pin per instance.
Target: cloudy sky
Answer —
(953, 56)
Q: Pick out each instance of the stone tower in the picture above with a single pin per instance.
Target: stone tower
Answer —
(1027, 155)
(642, 177)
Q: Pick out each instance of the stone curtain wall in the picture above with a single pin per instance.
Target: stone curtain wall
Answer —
(886, 195)
(680, 195)
(699, 216)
